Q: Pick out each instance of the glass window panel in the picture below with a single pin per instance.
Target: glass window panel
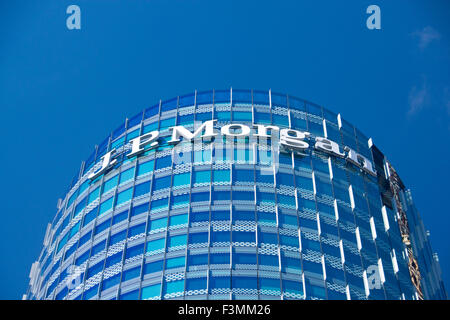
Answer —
(200, 196)
(134, 251)
(115, 238)
(161, 183)
(92, 292)
(106, 205)
(178, 220)
(268, 260)
(196, 284)
(102, 227)
(173, 286)
(142, 208)
(110, 282)
(145, 167)
(155, 266)
(179, 240)
(123, 197)
(242, 116)
(159, 204)
(177, 262)
(141, 189)
(111, 183)
(269, 286)
(157, 244)
(94, 194)
(244, 282)
(220, 258)
(150, 127)
(135, 230)
(158, 224)
(182, 179)
(169, 105)
(149, 292)
(133, 295)
(244, 258)
(131, 274)
(163, 162)
(120, 217)
(126, 175)
(179, 200)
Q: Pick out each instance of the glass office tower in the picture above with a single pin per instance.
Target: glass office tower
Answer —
(237, 215)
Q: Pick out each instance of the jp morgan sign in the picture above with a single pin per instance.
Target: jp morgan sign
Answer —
(288, 140)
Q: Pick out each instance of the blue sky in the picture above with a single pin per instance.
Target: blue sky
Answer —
(62, 91)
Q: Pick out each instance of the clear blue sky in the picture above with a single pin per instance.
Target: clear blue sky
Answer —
(62, 91)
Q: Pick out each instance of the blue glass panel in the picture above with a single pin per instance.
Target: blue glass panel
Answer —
(175, 262)
(141, 189)
(92, 292)
(167, 123)
(169, 105)
(242, 116)
(133, 231)
(98, 248)
(199, 259)
(279, 100)
(142, 208)
(244, 258)
(152, 291)
(155, 266)
(159, 204)
(112, 260)
(178, 240)
(158, 223)
(244, 282)
(145, 167)
(95, 269)
(120, 217)
(219, 282)
(198, 237)
(178, 220)
(202, 176)
(134, 251)
(103, 226)
(133, 295)
(161, 183)
(268, 260)
(106, 205)
(131, 274)
(292, 287)
(153, 110)
(109, 184)
(174, 286)
(111, 282)
(269, 285)
(196, 284)
(126, 175)
(220, 258)
(182, 179)
(243, 195)
(201, 196)
(82, 258)
(199, 216)
(157, 244)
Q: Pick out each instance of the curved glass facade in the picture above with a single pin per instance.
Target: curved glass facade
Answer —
(235, 216)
